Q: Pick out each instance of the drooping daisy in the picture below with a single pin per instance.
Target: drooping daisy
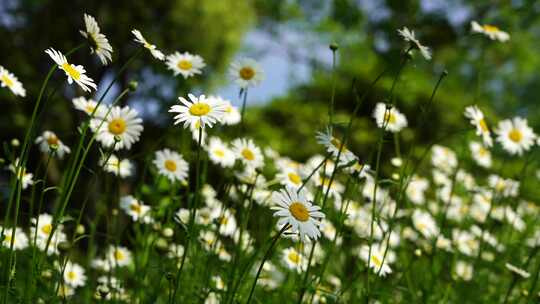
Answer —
(219, 153)
(294, 209)
(294, 260)
(172, 165)
(48, 142)
(135, 209)
(246, 151)
(477, 119)
(185, 63)
(118, 256)
(121, 128)
(246, 72)
(73, 72)
(389, 117)
(515, 135)
(24, 177)
(198, 110)
(122, 168)
(152, 48)
(334, 146)
(98, 42)
(74, 275)
(19, 238)
(409, 36)
(89, 106)
(10, 81)
(481, 155)
(377, 261)
(493, 32)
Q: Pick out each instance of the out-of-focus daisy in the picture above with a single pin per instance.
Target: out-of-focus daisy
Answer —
(481, 155)
(463, 270)
(48, 142)
(89, 106)
(376, 260)
(74, 275)
(73, 72)
(334, 146)
(65, 291)
(232, 116)
(198, 110)
(98, 42)
(477, 119)
(515, 135)
(227, 223)
(416, 189)
(121, 128)
(522, 273)
(19, 238)
(135, 209)
(7, 79)
(152, 48)
(246, 151)
(24, 177)
(295, 210)
(172, 165)
(493, 32)
(504, 186)
(246, 72)
(389, 117)
(443, 158)
(185, 63)
(409, 36)
(219, 153)
(114, 165)
(425, 223)
(119, 256)
(294, 260)
(290, 177)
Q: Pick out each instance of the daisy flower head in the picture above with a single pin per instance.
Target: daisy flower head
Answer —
(121, 128)
(294, 260)
(515, 135)
(463, 270)
(172, 165)
(185, 63)
(480, 155)
(334, 146)
(231, 115)
(74, 275)
(19, 238)
(219, 153)
(10, 81)
(119, 256)
(246, 151)
(119, 167)
(24, 177)
(99, 44)
(74, 73)
(246, 72)
(49, 143)
(89, 106)
(389, 118)
(152, 48)
(376, 258)
(491, 31)
(135, 209)
(294, 209)
(477, 119)
(409, 36)
(290, 177)
(198, 111)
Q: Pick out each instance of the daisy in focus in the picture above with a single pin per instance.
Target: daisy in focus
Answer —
(198, 110)
(219, 153)
(515, 135)
(185, 63)
(99, 44)
(152, 48)
(477, 119)
(409, 36)
(121, 128)
(172, 165)
(89, 106)
(389, 117)
(294, 209)
(135, 209)
(491, 31)
(10, 81)
(119, 256)
(246, 72)
(75, 73)
(74, 275)
(49, 143)
(246, 151)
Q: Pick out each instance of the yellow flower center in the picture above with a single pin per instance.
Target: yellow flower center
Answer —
(515, 135)
(184, 65)
(229, 109)
(483, 125)
(47, 228)
(338, 144)
(389, 117)
(219, 153)
(491, 28)
(71, 71)
(246, 73)
(299, 211)
(376, 261)
(170, 165)
(135, 208)
(71, 275)
(295, 178)
(6, 80)
(248, 154)
(52, 140)
(482, 151)
(117, 126)
(90, 108)
(119, 255)
(7, 239)
(294, 257)
(199, 109)
(224, 220)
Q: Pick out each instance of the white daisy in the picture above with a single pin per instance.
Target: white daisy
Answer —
(74, 275)
(334, 145)
(75, 73)
(246, 151)
(443, 158)
(185, 63)
(515, 135)
(463, 270)
(118, 256)
(294, 260)
(295, 210)
(10, 81)
(477, 119)
(416, 189)
(219, 153)
(408, 36)
(172, 165)
(98, 42)
(375, 260)
(19, 238)
(135, 209)
(48, 142)
(480, 155)
(425, 223)
(388, 117)
(89, 106)
(246, 72)
(203, 111)
(123, 168)
(493, 32)
(290, 177)
(152, 48)
(232, 115)
(121, 128)
(24, 177)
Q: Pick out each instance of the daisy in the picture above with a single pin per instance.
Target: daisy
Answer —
(152, 48)
(493, 32)
(294, 260)
(123, 168)
(24, 177)
(408, 36)
(19, 238)
(198, 110)
(44, 226)
(74, 275)
(75, 73)
(515, 135)
(48, 142)
(246, 151)
(186, 64)
(477, 119)
(376, 260)
(219, 153)
(172, 165)
(416, 189)
(334, 146)
(425, 223)
(388, 117)
(135, 209)
(89, 106)
(121, 128)
(517, 270)
(10, 81)
(290, 177)
(246, 72)
(480, 155)
(463, 270)
(227, 223)
(232, 115)
(118, 256)
(443, 158)
(294, 209)
(98, 42)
